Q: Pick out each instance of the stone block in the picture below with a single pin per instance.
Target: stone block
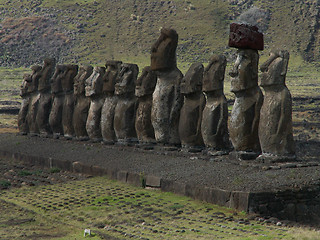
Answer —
(153, 181)
(122, 176)
(239, 200)
(64, 165)
(245, 36)
(135, 179)
(173, 186)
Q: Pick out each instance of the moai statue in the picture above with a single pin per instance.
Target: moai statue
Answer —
(124, 115)
(275, 128)
(25, 95)
(82, 103)
(55, 117)
(214, 126)
(144, 89)
(167, 99)
(68, 104)
(245, 115)
(34, 100)
(110, 102)
(191, 111)
(94, 91)
(45, 100)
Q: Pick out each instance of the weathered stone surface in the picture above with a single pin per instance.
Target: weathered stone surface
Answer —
(22, 115)
(45, 100)
(55, 117)
(110, 102)
(94, 92)
(82, 103)
(144, 89)
(245, 115)
(69, 101)
(124, 116)
(163, 51)
(245, 36)
(275, 128)
(191, 111)
(34, 100)
(214, 126)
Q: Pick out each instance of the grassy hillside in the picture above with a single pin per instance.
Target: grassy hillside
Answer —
(92, 31)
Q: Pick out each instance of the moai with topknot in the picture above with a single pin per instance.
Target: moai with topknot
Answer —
(144, 89)
(191, 111)
(82, 103)
(110, 101)
(34, 100)
(245, 115)
(214, 125)
(167, 99)
(25, 95)
(94, 86)
(124, 116)
(45, 100)
(55, 117)
(275, 128)
(68, 103)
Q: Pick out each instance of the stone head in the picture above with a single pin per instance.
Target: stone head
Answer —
(58, 75)
(79, 80)
(35, 75)
(244, 74)
(110, 77)
(146, 83)
(163, 51)
(213, 75)
(95, 81)
(25, 84)
(192, 81)
(127, 79)
(67, 81)
(274, 70)
(47, 71)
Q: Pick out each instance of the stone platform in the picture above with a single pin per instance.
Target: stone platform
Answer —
(283, 190)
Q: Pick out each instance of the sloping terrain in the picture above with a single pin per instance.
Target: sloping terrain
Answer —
(95, 30)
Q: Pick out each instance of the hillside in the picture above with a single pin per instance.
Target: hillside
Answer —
(91, 31)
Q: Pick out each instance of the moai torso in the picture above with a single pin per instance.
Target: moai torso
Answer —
(144, 90)
(45, 100)
(34, 101)
(68, 103)
(94, 91)
(167, 99)
(22, 116)
(245, 115)
(55, 117)
(191, 111)
(124, 117)
(275, 128)
(82, 103)
(110, 101)
(214, 125)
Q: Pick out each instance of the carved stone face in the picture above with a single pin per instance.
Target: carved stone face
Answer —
(25, 84)
(213, 75)
(274, 70)
(36, 73)
(127, 78)
(79, 81)
(60, 73)
(192, 81)
(146, 82)
(245, 70)
(110, 77)
(47, 71)
(163, 52)
(67, 81)
(95, 81)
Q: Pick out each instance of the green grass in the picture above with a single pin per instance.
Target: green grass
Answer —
(119, 210)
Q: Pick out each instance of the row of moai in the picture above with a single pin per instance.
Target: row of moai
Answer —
(111, 104)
